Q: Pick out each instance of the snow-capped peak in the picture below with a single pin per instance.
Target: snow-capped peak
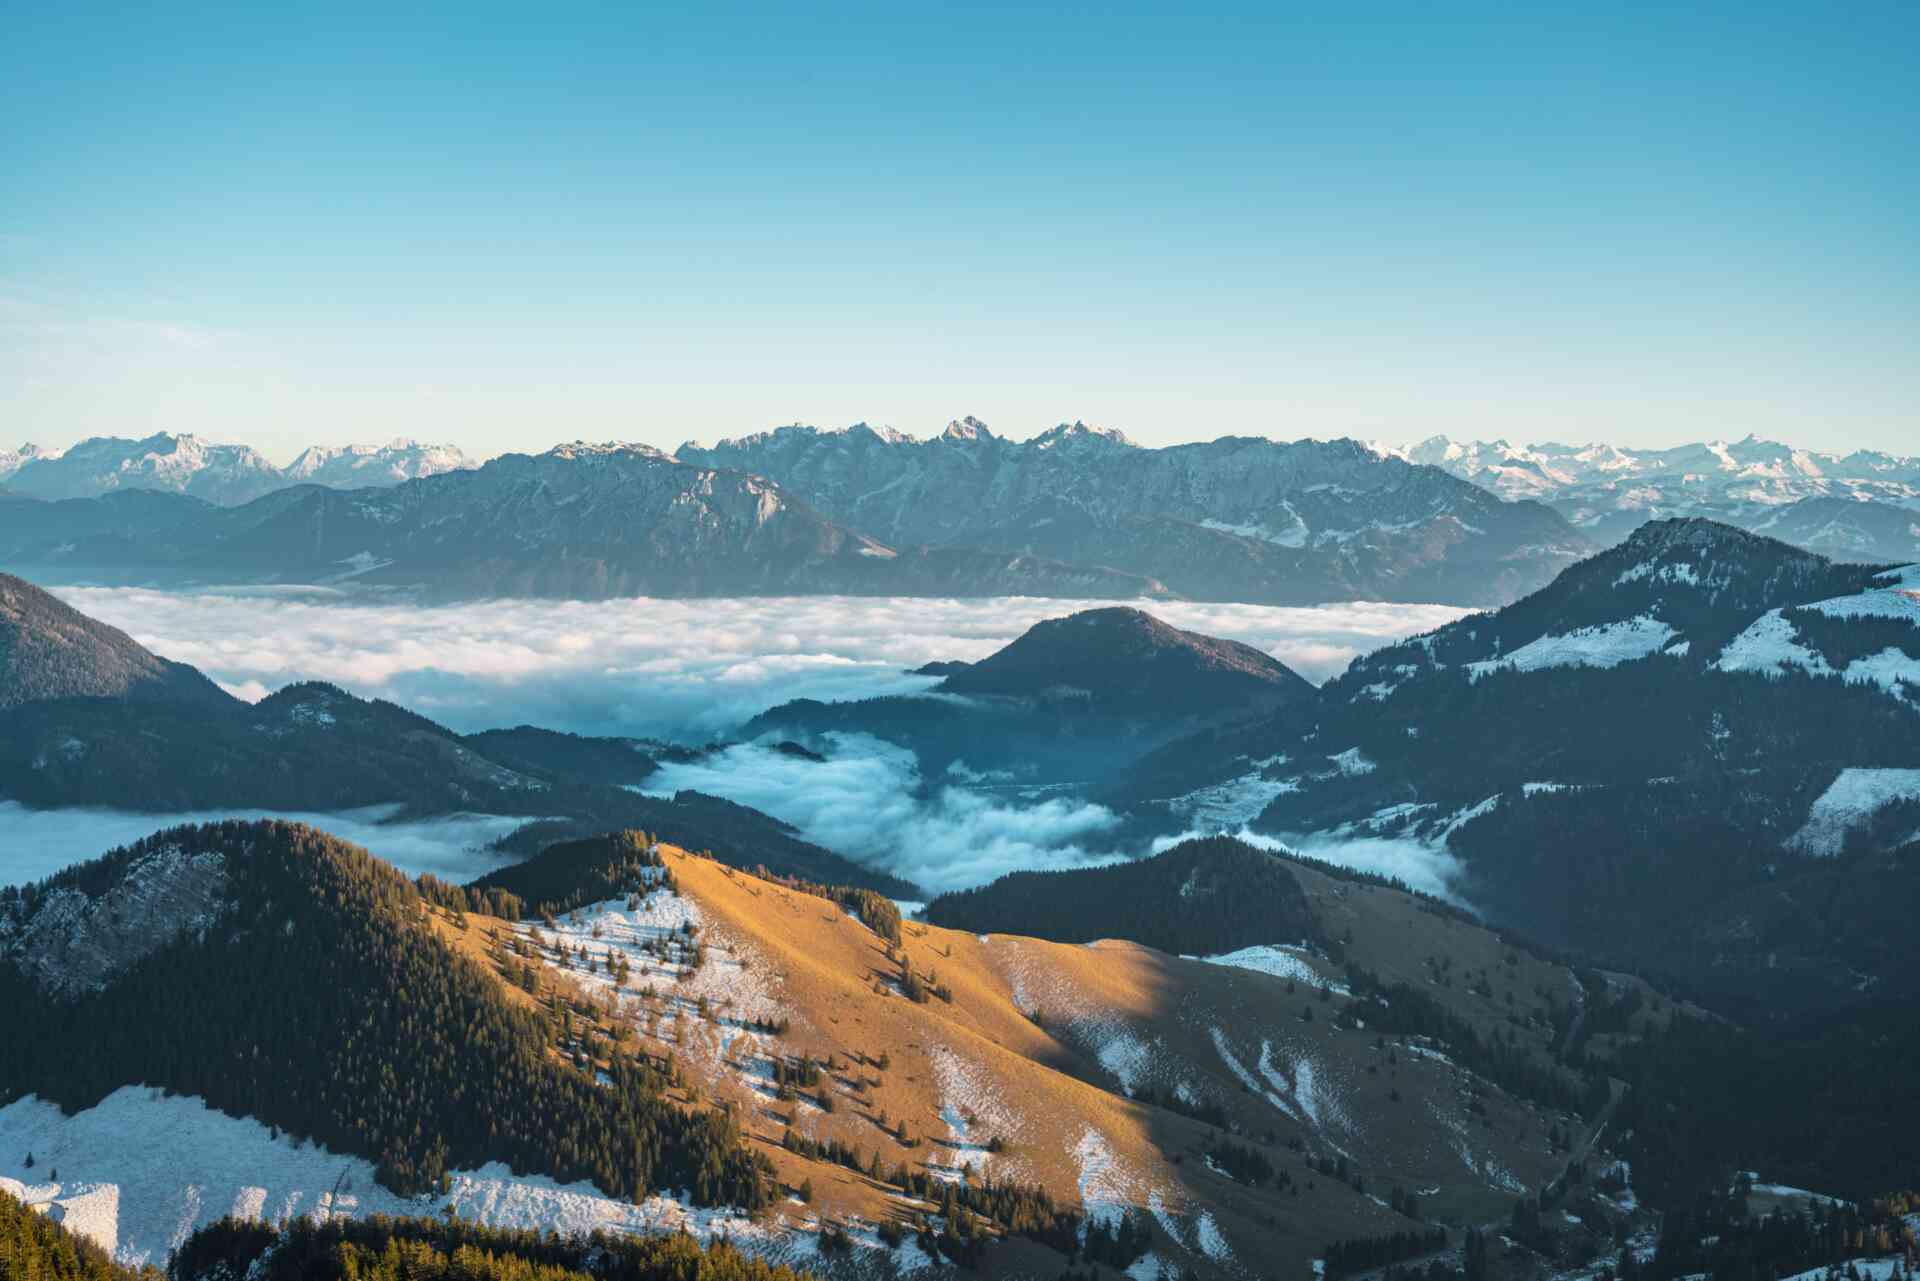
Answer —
(966, 429)
(358, 466)
(1078, 434)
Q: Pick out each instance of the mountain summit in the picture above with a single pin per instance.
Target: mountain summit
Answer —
(1126, 659)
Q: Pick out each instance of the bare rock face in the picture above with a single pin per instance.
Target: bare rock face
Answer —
(71, 942)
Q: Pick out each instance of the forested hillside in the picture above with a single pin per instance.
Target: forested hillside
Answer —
(1680, 757)
(50, 650)
(299, 983)
(388, 1249)
(1198, 898)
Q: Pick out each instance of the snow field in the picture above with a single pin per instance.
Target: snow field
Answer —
(141, 1170)
(1849, 802)
(1279, 961)
(1607, 645)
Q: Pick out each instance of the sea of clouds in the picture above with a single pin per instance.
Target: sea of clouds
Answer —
(688, 670)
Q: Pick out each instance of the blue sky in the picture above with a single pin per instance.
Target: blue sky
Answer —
(510, 225)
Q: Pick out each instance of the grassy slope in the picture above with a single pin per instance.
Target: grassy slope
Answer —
(1044, 1088)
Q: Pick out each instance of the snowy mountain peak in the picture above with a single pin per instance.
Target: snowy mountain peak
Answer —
(968, 429)
(584, 450)
(359, 466)
(885, 435)
(1078, 434)
(12, 460)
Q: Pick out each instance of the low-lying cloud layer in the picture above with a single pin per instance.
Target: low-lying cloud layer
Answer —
(37, 843)
(867, 800)
(689, 669)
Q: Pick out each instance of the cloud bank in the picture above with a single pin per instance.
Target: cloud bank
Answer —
(37, 843)
(688, 669)
(869, 802)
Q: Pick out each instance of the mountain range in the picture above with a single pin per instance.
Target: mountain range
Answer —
(1238, 518)
(1859, 506)
(219, 473)
(1075, 513)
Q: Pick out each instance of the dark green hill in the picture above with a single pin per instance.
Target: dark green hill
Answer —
(282, 974)
(1127, 662)
(49, 650)
(1198, 898)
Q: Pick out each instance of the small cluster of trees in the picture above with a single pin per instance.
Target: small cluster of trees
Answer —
(1364, 1254)
(1244, 1164)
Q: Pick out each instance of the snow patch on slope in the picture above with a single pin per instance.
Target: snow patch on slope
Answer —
(1280, 961)
(1607, 645)
(1770, 645)
(974, 1110)
(1849, 801)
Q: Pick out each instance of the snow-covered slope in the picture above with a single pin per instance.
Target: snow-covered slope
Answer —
(140, 1170)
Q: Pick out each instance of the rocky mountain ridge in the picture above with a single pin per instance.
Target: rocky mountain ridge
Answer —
(1238, 518)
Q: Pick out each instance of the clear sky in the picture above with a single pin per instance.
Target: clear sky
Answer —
(506, 225)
